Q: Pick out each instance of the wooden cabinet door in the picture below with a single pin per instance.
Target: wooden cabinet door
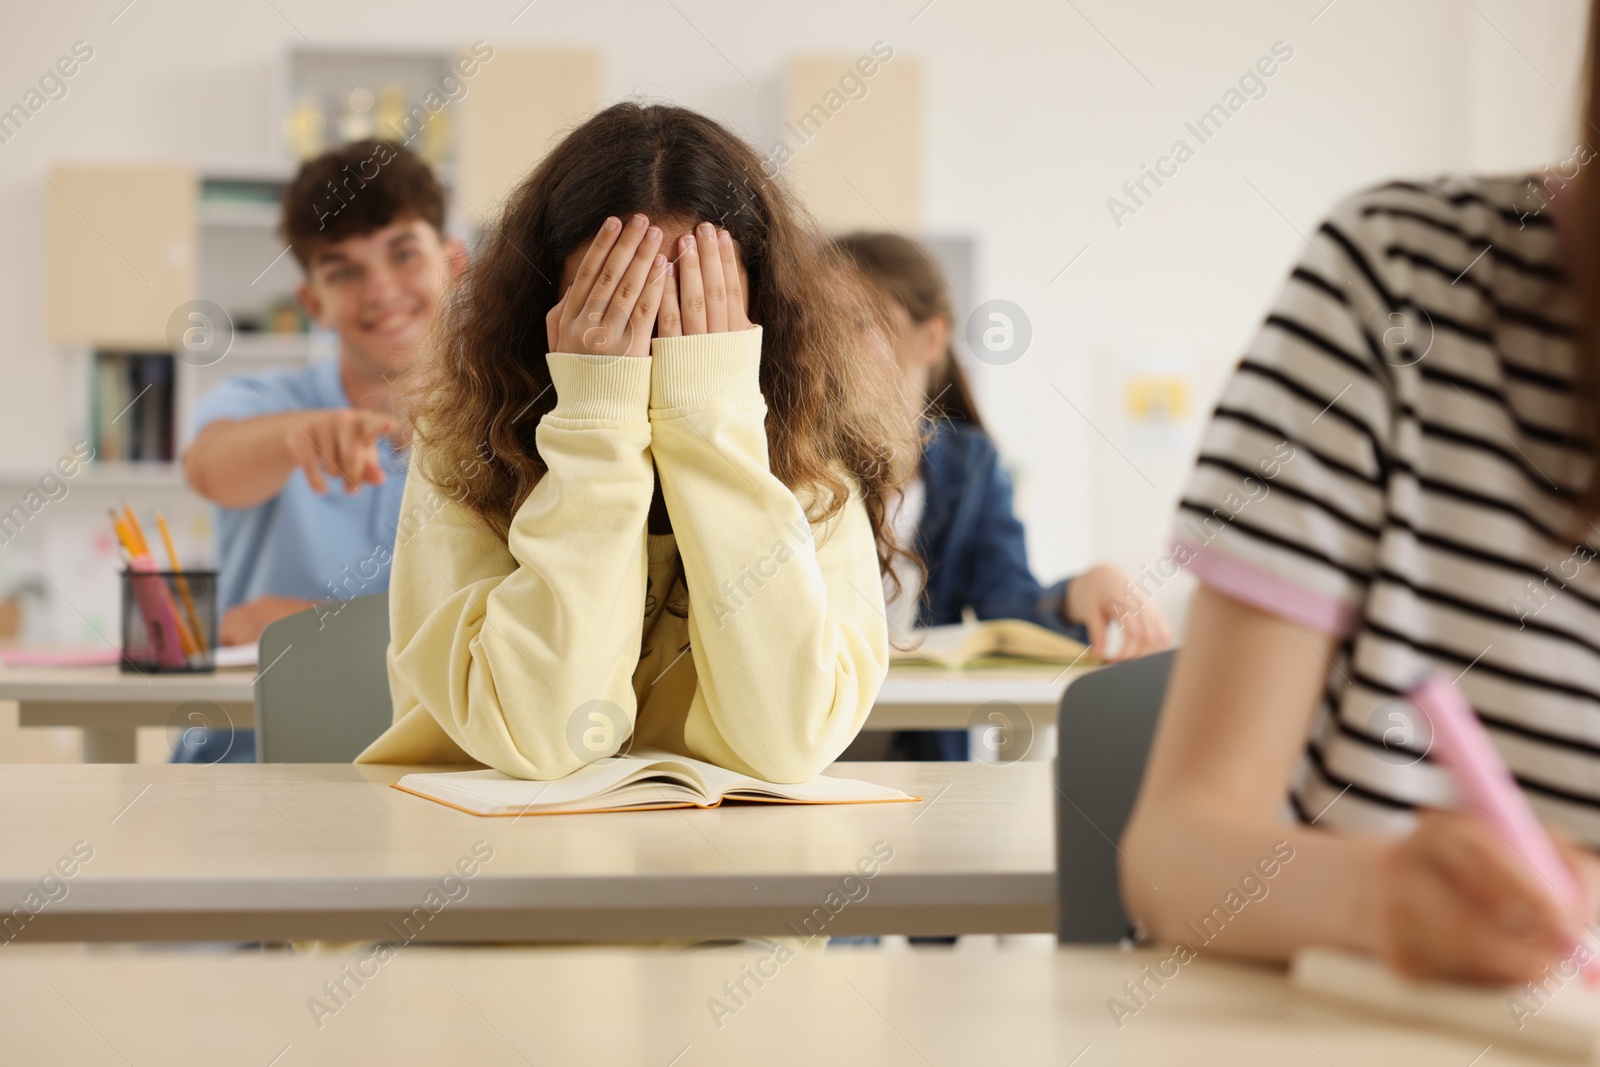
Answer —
(121, 252)
(851, 142)
(520, 103)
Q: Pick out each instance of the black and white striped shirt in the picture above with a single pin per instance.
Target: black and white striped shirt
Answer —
(1397, 460)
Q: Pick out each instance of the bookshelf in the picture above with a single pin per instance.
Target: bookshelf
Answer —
(139, 400)
(129, 247)
(131, 411)
(132, 247)
(221, 228)
(114, 476)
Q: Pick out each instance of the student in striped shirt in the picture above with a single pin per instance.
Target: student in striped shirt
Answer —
(1398, 478)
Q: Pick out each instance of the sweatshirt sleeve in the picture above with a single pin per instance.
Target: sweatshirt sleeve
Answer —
(503, 641)
(786, 621)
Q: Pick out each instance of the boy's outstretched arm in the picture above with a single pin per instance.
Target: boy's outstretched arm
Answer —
(239, 463)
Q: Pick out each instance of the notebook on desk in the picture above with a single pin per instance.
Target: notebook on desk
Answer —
(996, 642)
(1563, 1018)
(643, 780)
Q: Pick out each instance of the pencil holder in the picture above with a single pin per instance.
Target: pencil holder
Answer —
(169, 621)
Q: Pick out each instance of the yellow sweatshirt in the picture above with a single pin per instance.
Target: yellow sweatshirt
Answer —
(747, 637)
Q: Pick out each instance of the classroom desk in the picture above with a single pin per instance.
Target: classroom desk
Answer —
(925, 698)
(109, 706)
(245, 852)
(427, 1006)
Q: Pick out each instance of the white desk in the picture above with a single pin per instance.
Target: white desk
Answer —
(922, 698)
(429, 1006)
(246, 852)
(109, 705)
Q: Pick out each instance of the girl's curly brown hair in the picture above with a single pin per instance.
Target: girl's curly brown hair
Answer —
(837, 406)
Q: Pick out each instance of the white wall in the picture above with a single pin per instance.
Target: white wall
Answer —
(1033, 120)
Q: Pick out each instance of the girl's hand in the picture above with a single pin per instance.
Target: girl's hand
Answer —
(610, 310)
(1104, 594)
(704, 294)
(1456, 902)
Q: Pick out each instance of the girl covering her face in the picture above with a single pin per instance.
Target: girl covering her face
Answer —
(650, 482)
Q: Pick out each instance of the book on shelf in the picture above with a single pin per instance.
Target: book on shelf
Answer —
(995, 642)
(642, 780)
(131, 407)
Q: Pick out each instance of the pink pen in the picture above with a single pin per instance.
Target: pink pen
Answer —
(1462, 746)
(160, 621)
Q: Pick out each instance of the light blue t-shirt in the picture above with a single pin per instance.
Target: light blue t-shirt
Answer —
(300, 543)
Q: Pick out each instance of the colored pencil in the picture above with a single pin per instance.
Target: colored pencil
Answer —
(128, 530)
(138, 531)
(124, 535)
(182, 582)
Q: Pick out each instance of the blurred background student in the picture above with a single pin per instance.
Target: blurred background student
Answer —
(958, 513)
(303, 466)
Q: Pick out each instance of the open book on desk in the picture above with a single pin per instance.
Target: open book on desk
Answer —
(997, 642)
(1558, 1015)
(642, 780)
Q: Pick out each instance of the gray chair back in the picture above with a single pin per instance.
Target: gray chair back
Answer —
(322, 690)
(1106, 723)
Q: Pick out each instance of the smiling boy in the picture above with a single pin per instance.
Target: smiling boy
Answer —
(303, 465)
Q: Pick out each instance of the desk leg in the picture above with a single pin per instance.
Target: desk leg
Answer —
(110, 745)
(1041, 747)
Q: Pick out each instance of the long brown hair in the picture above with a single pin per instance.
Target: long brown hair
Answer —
(905, 271)
(832, 397)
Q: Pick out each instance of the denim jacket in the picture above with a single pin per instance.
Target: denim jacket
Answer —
(976, 554)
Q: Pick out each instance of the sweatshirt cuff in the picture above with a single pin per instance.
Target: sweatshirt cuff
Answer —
(705, 369)
(610, 388)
